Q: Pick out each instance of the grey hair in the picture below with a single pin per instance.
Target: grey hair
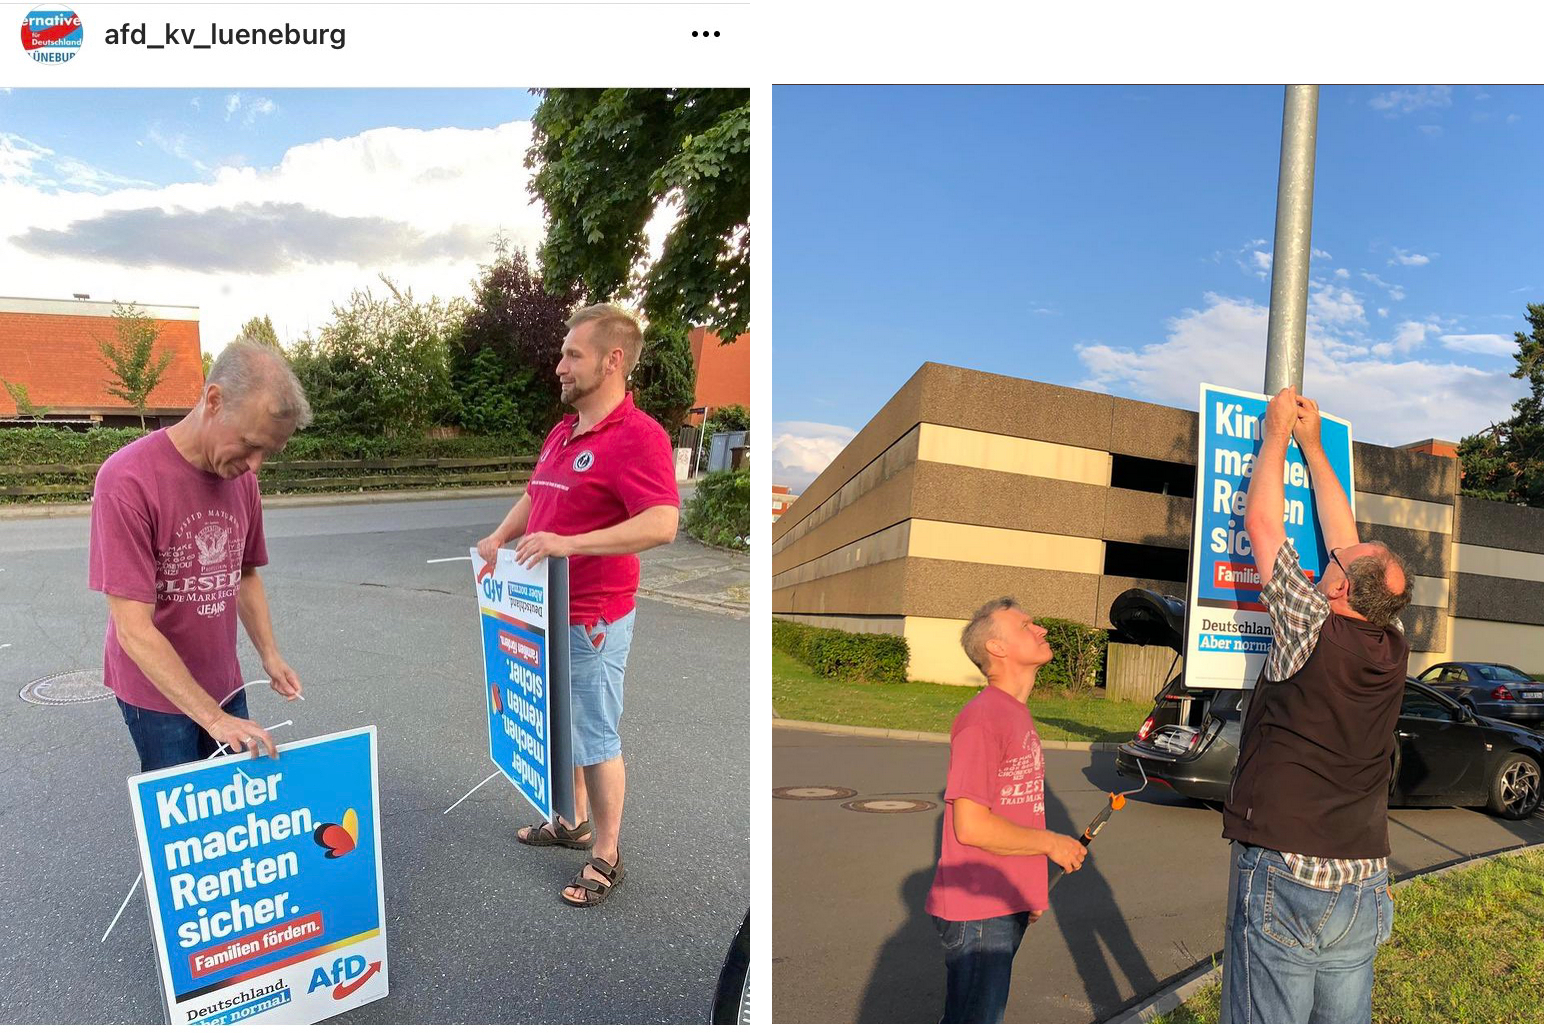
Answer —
(616, 329)
(248, 367)
(978, 631)
(1369, 593)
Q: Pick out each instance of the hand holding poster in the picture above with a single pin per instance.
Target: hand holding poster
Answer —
(1229, 635)
(264, 880)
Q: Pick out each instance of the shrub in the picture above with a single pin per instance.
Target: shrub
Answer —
(843, 655)
(718, 512)
(1080, 652)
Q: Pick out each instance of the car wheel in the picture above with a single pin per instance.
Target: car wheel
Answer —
(1516, 787)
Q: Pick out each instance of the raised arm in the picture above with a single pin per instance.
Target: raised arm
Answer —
(1265, 515)
(1335, 517)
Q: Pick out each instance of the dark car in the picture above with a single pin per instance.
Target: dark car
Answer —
(1444, 752)
(1494, 690)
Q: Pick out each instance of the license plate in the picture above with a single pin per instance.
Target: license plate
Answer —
(1534, 695)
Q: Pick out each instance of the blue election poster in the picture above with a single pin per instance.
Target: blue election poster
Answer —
(264, 879)
(1229, 634)
(513, 625)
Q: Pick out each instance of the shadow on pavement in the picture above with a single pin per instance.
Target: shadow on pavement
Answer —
(909, 978)
(1091, 922)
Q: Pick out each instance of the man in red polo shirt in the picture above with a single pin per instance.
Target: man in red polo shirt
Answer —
(604, 490)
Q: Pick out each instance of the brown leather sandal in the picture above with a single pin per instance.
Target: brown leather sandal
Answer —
(596, 892)
(542, 835)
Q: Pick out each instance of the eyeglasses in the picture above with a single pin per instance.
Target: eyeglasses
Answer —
(1332, 556)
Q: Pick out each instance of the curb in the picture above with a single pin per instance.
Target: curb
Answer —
(696, 601)
(1163, 1001)
(912, 736)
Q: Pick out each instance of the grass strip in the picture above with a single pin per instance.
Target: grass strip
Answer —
(1468, 946)
(800, 695)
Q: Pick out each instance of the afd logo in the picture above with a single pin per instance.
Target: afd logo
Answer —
(346, 975)
(492, 589)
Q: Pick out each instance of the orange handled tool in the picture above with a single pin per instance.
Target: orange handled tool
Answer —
(1116, 803)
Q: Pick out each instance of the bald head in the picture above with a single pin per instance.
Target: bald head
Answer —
(1380, 586)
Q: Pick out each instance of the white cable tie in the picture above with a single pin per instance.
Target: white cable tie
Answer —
(121, 907)
(471, 792)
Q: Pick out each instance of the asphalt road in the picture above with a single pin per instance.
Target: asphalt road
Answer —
(476, 930)
(852, 942)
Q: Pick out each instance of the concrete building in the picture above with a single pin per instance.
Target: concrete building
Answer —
(49, 347)
(967, 486)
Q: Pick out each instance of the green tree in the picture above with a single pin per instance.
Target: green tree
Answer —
(605, 160)
(663, 381)
(1506, 461)
(380, 368)
(129, 357)
(206, 360)
(506, 347)
(260, 329)
(23, 400)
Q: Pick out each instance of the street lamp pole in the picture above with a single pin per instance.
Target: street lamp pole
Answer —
(1287, 341)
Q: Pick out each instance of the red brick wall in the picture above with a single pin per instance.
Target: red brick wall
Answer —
(721, 371)
(55, 357)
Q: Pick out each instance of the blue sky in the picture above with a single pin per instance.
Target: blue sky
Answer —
(258, 202)
(1118, 239)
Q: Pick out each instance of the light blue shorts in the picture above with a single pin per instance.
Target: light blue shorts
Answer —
(597, 688)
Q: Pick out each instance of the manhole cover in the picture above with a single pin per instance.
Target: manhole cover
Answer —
(813, 793)
(888, 806)
(71, 687)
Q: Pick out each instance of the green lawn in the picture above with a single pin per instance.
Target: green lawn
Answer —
(1467, 947)
(800, 695)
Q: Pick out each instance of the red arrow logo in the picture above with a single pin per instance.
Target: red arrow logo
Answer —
(344, 990)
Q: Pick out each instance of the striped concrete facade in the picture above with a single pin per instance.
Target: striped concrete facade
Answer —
(968, 485)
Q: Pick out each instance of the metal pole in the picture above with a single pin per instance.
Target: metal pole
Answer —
(1294, 241)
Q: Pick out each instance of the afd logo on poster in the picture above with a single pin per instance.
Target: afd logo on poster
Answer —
(344, 976)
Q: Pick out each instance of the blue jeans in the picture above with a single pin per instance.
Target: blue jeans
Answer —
(163, 740)
(598, 653)
(1295, 953)
(979, 965)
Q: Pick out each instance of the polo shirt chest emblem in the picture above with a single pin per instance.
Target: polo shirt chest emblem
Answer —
(583, 462)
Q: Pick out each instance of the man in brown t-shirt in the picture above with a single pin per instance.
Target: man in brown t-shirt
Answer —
(1307, 811)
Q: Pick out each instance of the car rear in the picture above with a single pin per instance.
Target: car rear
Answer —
(1189, 742)
(1503, 693)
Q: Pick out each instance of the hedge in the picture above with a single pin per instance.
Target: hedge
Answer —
(1081, 651)
(718, 512)
(26, 447)
(843, 655)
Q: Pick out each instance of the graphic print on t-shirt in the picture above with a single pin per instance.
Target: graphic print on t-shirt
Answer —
(203, 565)
(1024, 774)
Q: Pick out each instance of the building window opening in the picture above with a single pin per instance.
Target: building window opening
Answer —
(1154, 475)
(1146, 562)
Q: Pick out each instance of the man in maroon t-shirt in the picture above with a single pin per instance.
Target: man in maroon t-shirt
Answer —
(177, 537)
(603, 490)
(992, 879)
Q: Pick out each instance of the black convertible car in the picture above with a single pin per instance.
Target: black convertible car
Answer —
(1445, 753)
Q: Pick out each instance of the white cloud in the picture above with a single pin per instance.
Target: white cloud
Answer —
(1334, 305)
(1431, 130)
(1403, 257)
(1396, 292)
(1383, 313)
(451, 189)
(1481, 344)
(1402, 102)
(1388, 402)
(1322, 254)
(233, 104)
(1408, 336)
(1342, 274)
(801, 450)
(31, 165)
